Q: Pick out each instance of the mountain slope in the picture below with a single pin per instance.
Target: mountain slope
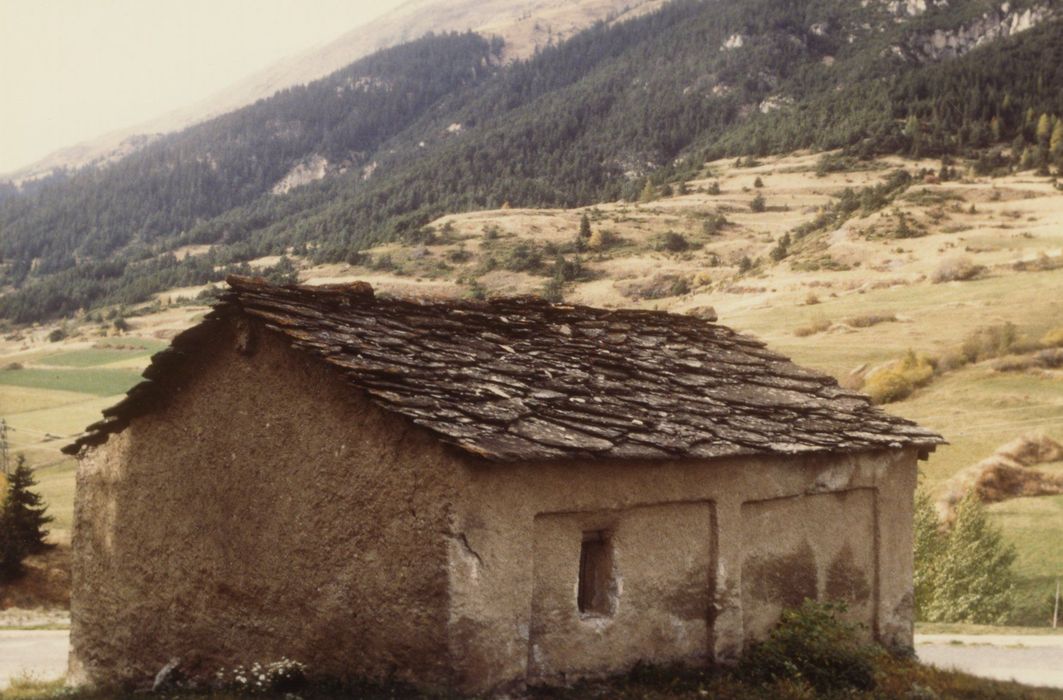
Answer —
(525, 26)
(580, 122)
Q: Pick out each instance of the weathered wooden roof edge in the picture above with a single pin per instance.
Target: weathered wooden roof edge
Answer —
(518, 378)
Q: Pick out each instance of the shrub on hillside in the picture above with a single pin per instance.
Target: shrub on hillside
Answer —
(672, 242)
(603, 239)
(868, 320)
(1053, 338)
(813, 645)
(897, 381)
(818, 325)
(714, 224)
(759, 204)
(958, 269)
(989, 342)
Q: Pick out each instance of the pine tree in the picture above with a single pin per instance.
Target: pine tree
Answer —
(973, 581)
(24, 510)
(584, 227)
(649, 193)
(758, 204)
(1055, 146)
(1044, 128)
(913, 130)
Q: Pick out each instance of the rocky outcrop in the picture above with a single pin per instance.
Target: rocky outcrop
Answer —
(999, 24)
(305, 171)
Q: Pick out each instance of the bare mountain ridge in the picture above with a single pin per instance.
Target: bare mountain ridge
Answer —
(525, 25)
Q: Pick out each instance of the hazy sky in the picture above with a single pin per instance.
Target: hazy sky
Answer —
(71, 70)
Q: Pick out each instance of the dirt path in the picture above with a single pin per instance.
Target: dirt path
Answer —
(40, 654)
(1032, 660)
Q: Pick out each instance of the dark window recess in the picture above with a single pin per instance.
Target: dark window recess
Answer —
(595, 574)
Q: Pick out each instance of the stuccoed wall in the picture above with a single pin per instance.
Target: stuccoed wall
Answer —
(706, 556)
(267, 511)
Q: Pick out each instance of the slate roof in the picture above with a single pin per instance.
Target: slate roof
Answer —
(519, 378)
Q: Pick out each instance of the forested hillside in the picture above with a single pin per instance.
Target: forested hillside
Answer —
(379, 149)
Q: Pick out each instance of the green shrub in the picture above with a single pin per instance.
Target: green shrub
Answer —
(813, 645)
(523, 257)
(714, 224)
(680, 287)
(672, 242)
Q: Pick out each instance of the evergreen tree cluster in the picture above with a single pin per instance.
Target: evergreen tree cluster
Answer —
(438, 125)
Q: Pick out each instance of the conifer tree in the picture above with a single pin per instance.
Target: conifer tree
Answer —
(913, 130)
(649, 193)
(1044, 129)
(1055, 147)
(584, 227)
(24, 511)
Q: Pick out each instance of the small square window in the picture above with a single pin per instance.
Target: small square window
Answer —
(595, 574)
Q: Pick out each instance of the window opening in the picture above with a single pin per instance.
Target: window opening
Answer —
(595, 574)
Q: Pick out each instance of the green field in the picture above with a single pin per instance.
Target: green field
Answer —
(86, 380)
(53, 397)
(96, 357)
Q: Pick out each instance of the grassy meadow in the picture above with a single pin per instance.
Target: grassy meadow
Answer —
(827, 282)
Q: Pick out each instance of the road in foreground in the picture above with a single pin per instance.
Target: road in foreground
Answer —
(1027, 659)
(40, 654)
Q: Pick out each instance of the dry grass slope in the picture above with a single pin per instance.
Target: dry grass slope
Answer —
(868, 295)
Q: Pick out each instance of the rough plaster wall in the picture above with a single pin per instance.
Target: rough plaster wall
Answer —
(496, 570)
(662, 560)
(831, 555)
(266, 511)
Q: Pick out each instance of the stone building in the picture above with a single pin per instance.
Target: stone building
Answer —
(476, 495)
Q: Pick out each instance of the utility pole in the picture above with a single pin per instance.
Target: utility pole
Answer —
(3, 447)
(1055, 612)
